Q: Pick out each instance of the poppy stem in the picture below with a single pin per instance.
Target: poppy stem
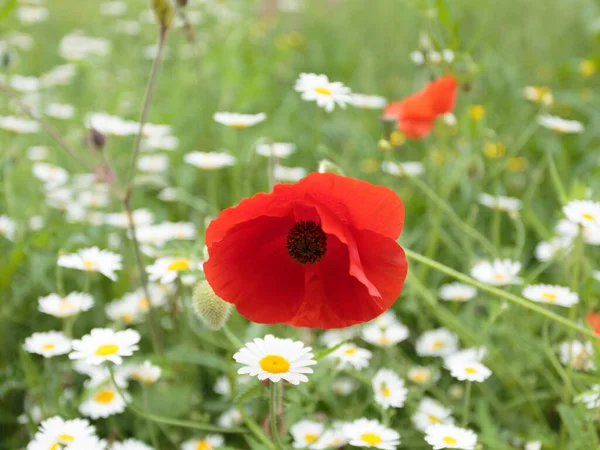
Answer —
(500, 293)
(273, 400)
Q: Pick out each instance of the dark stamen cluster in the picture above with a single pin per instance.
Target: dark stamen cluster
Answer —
(306, 242)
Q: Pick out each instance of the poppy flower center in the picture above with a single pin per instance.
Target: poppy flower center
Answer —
(306, 242)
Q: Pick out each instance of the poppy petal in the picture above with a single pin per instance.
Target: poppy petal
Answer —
(442, 93)
(250, 267)
(360, 204)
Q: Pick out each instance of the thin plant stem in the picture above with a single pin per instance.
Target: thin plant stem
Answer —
(473, 233)
(49, 129)
(500, 293)
(232, 337)
(169, 421)
(273, 388)
(556, 181)
(149, 423)
(257, 431)
(467, 404)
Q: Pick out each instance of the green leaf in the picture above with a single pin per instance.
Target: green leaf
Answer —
(328, 351)
(185, 353)
(249, 394)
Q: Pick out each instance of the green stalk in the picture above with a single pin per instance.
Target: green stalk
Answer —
(273, 388)
(466, 404)
(500, 293)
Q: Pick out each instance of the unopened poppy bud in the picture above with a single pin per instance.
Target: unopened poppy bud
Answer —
(212, 310)
(163, 12)
(326, 166)
(96, 140)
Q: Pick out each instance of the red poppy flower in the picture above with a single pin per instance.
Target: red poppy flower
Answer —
(416, 114)
(593, 320)
(320, 253)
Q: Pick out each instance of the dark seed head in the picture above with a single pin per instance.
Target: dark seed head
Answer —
(306, 242)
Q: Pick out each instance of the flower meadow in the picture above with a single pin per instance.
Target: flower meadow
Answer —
(308, 224)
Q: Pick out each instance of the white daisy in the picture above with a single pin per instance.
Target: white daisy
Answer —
(407, 168)
(19, 125)
(276, 149)
(542, 95)
(371, 434)
(344, 386)
(105, 344)
(37, 222)
(422, 375)
(579, 354)
(48, 344)
(591, 398)
(93, 259)
(153, 163)
(50, 174)
(7, 227)
(318, 88)
(223, 385)
(389, 389)
(457, 292)
(113, 8)
(367, 101)
(141, 217)
(111, 125)
(533, 445)
(166, 269)
(103, 402)
(288, 174)
(499, 272)
(77, 47)
(384, 336)
(60, 111)
(237, 120)
(208, 442)
(55, 433)
(100, 375)
(469, 371)
(441, 436)
(583, 212)
(560, 125)
(276, 359)
(545, 251)
(59, 75)
(24, 84)
(131, 444)
(438, 342)
(230, 418)
(32, 14)
(430, 412)
(37, 153)
(330, 439)
(417, 57)
(68, 306)
(132, 307)
(333, 337)
(209, 160)
(145, 373)
(475, 354)
(350, 355)
(554, 295)
(305, 433)
(160, 142)
(500, 203)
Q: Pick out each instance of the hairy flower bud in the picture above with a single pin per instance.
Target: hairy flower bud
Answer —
(213, 311)
(96, 140)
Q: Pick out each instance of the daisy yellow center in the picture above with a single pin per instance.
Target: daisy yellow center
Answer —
(420, 376)
(48, 346)
(310, 438)
(323, 91)
(105, 396)
(88, 265)
(437, 345)
(127, 318)
(433, 419)
(54, 446)
(384, 340)
(350, 351)
(274, 364)
(65, 305)
(549, 296)
(179, 264)
(371, 438)
(203, 445)
(588, 216)
(144, 303)
(106, 350)
(385, 391)
(66, 438)
(498, 277)
(449, 440)
(239, 125)
(470, 370)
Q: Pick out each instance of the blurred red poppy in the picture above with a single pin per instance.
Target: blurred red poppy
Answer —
(320, 253)
(416, 114)
(593, 320)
